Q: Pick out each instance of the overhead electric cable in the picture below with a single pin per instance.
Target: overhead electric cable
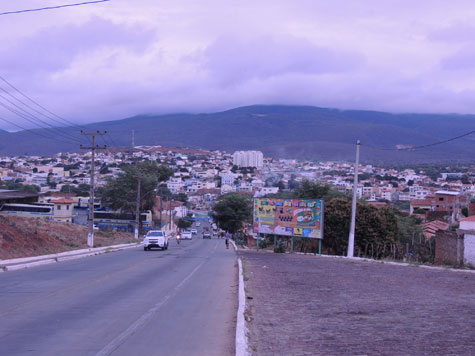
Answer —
(32, 132)
(33, 118)
(33, 109)
(105, 141)
(52, 7)
(27, 116)
(111, 139)
(39, 105)
(422, 146)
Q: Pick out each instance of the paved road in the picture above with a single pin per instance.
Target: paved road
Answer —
(306, 305)
(176, 302)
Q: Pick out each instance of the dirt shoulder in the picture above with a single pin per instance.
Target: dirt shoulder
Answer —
(311, 305)
(26, 237)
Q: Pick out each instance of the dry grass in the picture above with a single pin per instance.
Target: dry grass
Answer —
(25, 237)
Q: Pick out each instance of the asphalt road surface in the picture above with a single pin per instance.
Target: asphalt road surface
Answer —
(181, 301)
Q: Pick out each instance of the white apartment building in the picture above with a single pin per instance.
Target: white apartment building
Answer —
(248, 159)
(175, 185)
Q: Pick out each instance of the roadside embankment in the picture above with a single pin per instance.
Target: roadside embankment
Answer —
(26, 237)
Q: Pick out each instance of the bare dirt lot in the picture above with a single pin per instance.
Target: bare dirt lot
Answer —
(25, 237)
(311, 305)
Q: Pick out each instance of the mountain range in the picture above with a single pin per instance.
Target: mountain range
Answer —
(303, 132)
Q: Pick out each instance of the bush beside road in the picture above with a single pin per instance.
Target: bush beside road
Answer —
(307, 305)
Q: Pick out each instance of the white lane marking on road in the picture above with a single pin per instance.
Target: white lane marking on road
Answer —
(114, 344)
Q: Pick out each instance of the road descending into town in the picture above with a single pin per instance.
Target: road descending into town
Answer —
(181, 301)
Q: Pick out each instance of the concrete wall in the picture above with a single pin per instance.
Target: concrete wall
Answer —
(467, 225)
(469, 249)
(449, 248)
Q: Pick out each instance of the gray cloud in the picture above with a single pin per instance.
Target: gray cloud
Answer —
(231, 60)
(53, 48)
(461, 60)
(454, 34)
(124, 57)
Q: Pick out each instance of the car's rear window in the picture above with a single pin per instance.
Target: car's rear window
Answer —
(155, 233)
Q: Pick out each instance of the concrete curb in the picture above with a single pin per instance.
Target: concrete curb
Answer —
(28, 262)
(242, 347)
(404, 264)
(241, 337)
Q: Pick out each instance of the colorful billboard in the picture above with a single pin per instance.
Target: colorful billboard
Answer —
(289, 217)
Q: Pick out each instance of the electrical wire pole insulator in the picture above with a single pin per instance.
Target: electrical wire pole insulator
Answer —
(351, 237)
(93, 148)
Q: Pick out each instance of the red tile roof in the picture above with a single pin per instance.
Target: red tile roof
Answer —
(62, 201)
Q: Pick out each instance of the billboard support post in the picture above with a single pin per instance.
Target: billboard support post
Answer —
(292, 245)
(275, 241)
(320, 247)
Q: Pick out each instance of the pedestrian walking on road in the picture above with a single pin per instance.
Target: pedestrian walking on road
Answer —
(227, 239)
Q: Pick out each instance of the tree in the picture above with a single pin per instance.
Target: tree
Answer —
(280, 185)
(121, 193)
(104, 169)
(293, 184)
(231, 210)
(180, 197)
(82, 190)
(465, 211)
(313, 190)
(184, 224)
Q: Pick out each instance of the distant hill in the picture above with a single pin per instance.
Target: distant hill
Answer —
(280, 131)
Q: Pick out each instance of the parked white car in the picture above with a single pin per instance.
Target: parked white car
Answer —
(155, 238)
(186, 235)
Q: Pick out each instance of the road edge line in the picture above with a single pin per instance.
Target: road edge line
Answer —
(241, 338)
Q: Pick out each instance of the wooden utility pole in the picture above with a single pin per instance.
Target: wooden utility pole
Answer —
(137, 207)
(93, 148)
(170, 212)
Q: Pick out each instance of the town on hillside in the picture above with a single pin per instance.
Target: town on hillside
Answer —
(57, 187)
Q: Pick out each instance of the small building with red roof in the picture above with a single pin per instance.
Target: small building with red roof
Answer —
(63, 210)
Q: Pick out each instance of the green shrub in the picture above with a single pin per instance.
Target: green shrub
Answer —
(280, 247)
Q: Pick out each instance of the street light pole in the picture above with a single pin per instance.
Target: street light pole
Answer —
(351, 237)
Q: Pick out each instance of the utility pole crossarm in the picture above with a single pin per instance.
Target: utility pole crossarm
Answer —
(93, 148)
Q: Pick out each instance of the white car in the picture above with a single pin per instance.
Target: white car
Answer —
(194, 231)
(198, 224)
(186, 235)
(155, 238)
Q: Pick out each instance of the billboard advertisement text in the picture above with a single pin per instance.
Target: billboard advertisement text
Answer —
(289, 217)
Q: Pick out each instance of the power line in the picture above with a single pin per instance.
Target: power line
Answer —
(39, 105)
(422, 146)
(52, 7)
(31, 118)
(110, 138)
(33, 109)
(32, 132)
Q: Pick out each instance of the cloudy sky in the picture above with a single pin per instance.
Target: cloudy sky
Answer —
(121, 58)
